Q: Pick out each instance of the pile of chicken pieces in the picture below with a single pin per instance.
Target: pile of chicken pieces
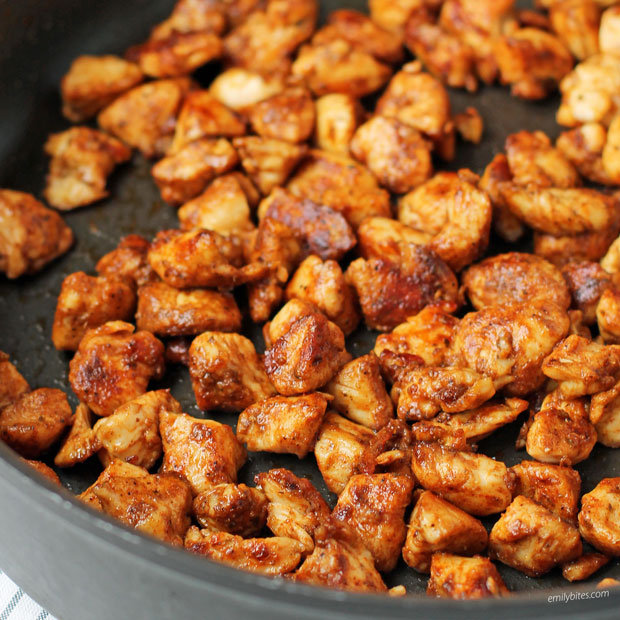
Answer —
(325, 217)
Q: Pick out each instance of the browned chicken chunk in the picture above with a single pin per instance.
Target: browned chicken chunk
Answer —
(201, 16)
(44, 470)
(609, 30)
(337, 117)
(584, 566)
(128, 260)
(587, 281)
(239, 89)
(12, 384)
(598, 518)
(608, 315)
(576, 22)
(81, 442)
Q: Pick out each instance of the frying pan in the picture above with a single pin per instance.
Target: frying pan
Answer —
(82, 565)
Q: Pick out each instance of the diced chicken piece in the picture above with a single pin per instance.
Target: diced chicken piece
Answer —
(177, 54)
(605, 415)
(267, 161)
(131, 433)
(515, 277)
(86, 302)
(81, 442)
(584, 566)
(608, 316)
(296, 509)
(35, 421)
(167, 311)
(114, 365)
(12, 384)
(576, 22)
(233, 508)
(587, 281)
(552, 486)
(374, 507)
(533, 540)
(390, 292)
(438, 526)
(268, 556)
(157, 504)
(456, 577)
(44, 470)
(474, 482)
(93, 82)
(203, 452)
(240, 89)
(338, 450)
(383, 237)
(338, 115)
(129, 261)
(199, 16)
(184, 175)
(144, 117)
(282, 322)
(610, 262)
(307, 356)
(281, 424)
(31, 235)
(509, 343)
(469, 125)
(393, 14)
(598, 518)
(610, 157)
(609, 31)
(454, 212)
(340, 67)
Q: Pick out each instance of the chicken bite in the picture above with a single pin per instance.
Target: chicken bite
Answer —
(383, 237)
(31, 235)
(239, 89)
(128, 260)
(281, 424)
(608, 316)
(610, 157)
(437, 526)
(598, 518)
(93, 82)
(12, 384)
(609, 31)
(584, 567)
(81, 442)
(392, 15)
(114, 365)
(576, 22)
(203, 452)
(199, 16)
(338, 115)
(605, 415)
(533, 540)
(44, 470)
(587, 281)
(35, 421)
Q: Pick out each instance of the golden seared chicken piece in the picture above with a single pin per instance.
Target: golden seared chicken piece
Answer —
(391, 292)
(144, 117)
(388, 451)
(223, 207)
(439, 432)
(374, 507)
(177, 54)
(269, 556)
(610, 262)
(533, 540)
(421, 393)
(438, 526)
(480, 422)
(337, 117)
(233, 508)
(86, 302)
(167, 311)
(611, 151)
(307, 356)
(93, 82)
(288, 115)
(81, 442)
(428, 334)
(533, 160)
(584, 566)
(395, 153)
(470, 126)
(532, 61)
(201, 258)
(226, 372)
(605, 415)
(268, 161)
(383, 237)
(282, 322)
(590, 92)
(515, 277)
(609, 33)
(197, 16)
(31, 235)
(340, 183)
(474, 482)
(283, 424)
(576, 22)
(555, 487)
(128, 261)
(359, 392)
(44, 470)
(608, 316)
(339, 66)
(323, 284)
(267, 38)
(240, 89)
(323, 231)
(392, 15)
(12, 384)
(416, 99)
(457, 577)
(598, 518)
(82, 159)
(184, 175)
(114, 365)
(339, 448)
(296, 509)
(35, 421)
(203, 452)
(131, 433)
(456, 214)
(340, 560)
(203, 116)
(157, 504)
(587, 281)
(509, 343)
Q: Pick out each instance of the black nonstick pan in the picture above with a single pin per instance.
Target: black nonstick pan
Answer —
(81, 565)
